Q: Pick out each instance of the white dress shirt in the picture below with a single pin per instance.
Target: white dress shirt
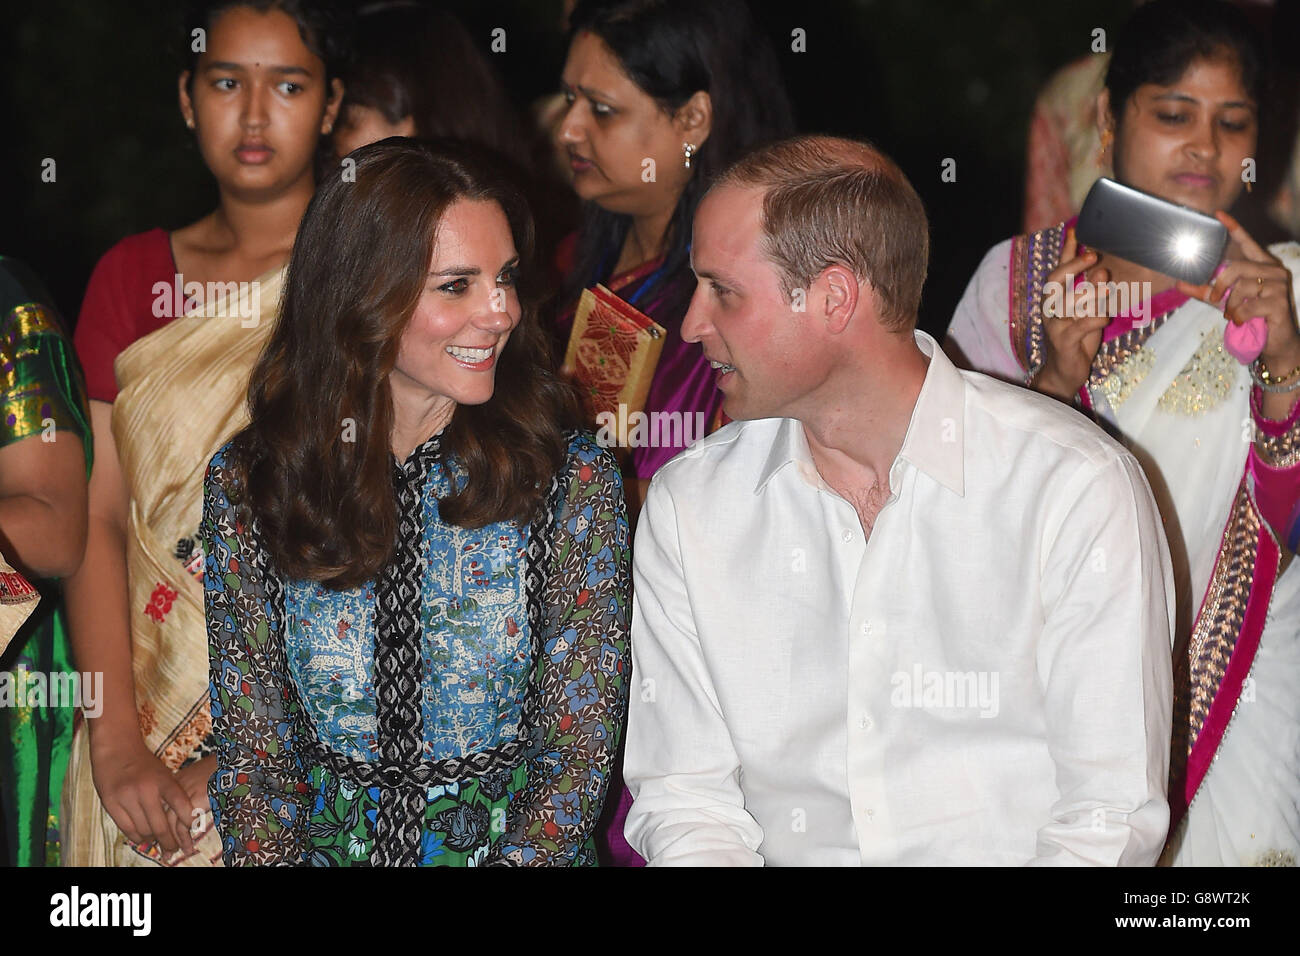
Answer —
(987, 680)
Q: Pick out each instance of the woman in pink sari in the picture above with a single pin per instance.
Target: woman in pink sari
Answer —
(1166, 366)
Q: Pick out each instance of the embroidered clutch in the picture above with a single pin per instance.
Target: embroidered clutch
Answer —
(612, 353)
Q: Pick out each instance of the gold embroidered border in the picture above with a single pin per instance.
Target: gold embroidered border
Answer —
(1033, 257)
(1218, 627)
(1281, 451)
(1120, 350)
(1019, 313)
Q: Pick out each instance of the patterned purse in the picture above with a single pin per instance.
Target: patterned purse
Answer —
(612, 354)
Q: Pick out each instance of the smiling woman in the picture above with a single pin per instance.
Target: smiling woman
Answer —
(418, 571)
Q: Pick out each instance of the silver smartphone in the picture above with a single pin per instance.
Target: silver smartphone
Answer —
(1153, 232)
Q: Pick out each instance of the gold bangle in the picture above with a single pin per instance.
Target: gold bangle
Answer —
(1275, 383)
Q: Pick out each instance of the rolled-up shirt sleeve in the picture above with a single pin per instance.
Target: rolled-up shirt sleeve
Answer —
(680, 765)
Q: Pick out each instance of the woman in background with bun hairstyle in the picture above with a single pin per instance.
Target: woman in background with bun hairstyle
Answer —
(663, 95)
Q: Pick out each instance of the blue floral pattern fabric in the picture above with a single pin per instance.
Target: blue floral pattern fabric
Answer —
(293, 676)
(475, 637)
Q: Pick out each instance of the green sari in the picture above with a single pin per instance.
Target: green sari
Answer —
(41, 392)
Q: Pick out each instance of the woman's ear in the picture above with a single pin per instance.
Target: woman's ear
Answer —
(332, 107)
(695, 118)
(186, 104)
(1105, 121)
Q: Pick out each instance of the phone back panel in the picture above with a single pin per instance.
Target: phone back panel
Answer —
(1172, 239)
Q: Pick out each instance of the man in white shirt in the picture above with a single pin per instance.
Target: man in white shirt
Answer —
(896, 613)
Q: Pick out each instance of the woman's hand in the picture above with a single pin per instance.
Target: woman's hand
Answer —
(194, 781)
(137, 789)
(1255, 285)
(1072, 340)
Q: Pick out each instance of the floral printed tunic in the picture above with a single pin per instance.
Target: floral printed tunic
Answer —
(462, 708)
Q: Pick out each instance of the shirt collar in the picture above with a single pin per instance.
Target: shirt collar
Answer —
(934, 443)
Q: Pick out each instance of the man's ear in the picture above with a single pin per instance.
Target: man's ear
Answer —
(840, 295)
(694, 120)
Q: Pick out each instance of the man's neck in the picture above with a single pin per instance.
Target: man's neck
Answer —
(857, 429)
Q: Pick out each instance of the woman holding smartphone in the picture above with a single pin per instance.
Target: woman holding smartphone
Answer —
(1219, 437)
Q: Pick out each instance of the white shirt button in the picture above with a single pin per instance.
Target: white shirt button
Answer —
(865, 722)
(866, 628)
(846, 537)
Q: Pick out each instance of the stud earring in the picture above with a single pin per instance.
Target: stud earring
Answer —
(688, 150)
(1106, 138)
(189, 122)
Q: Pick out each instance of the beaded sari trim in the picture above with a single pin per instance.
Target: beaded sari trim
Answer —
(1208, 680)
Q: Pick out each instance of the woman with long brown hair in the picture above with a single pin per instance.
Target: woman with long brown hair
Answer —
(417, 575)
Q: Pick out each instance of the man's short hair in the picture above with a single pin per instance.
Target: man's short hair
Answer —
(838, 201)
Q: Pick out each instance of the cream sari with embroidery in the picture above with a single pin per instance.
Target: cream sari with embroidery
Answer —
(1182, 405)
(183, 395)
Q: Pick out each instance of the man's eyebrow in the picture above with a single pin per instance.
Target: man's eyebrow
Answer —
(226, 66)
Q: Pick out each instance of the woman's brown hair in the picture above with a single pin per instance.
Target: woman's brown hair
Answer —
(315, 460)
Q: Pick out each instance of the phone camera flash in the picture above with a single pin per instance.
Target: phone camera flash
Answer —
(1186, 246)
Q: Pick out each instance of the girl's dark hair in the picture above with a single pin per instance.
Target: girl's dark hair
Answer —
(415, 61)
(321, 487)
(671, 49)
(324, 26)
(1164, 37)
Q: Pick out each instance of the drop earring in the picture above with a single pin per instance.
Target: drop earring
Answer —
(688, 150)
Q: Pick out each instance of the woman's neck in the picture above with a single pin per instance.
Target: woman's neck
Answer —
(417, 416)
(645, 240)
(260, 229)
